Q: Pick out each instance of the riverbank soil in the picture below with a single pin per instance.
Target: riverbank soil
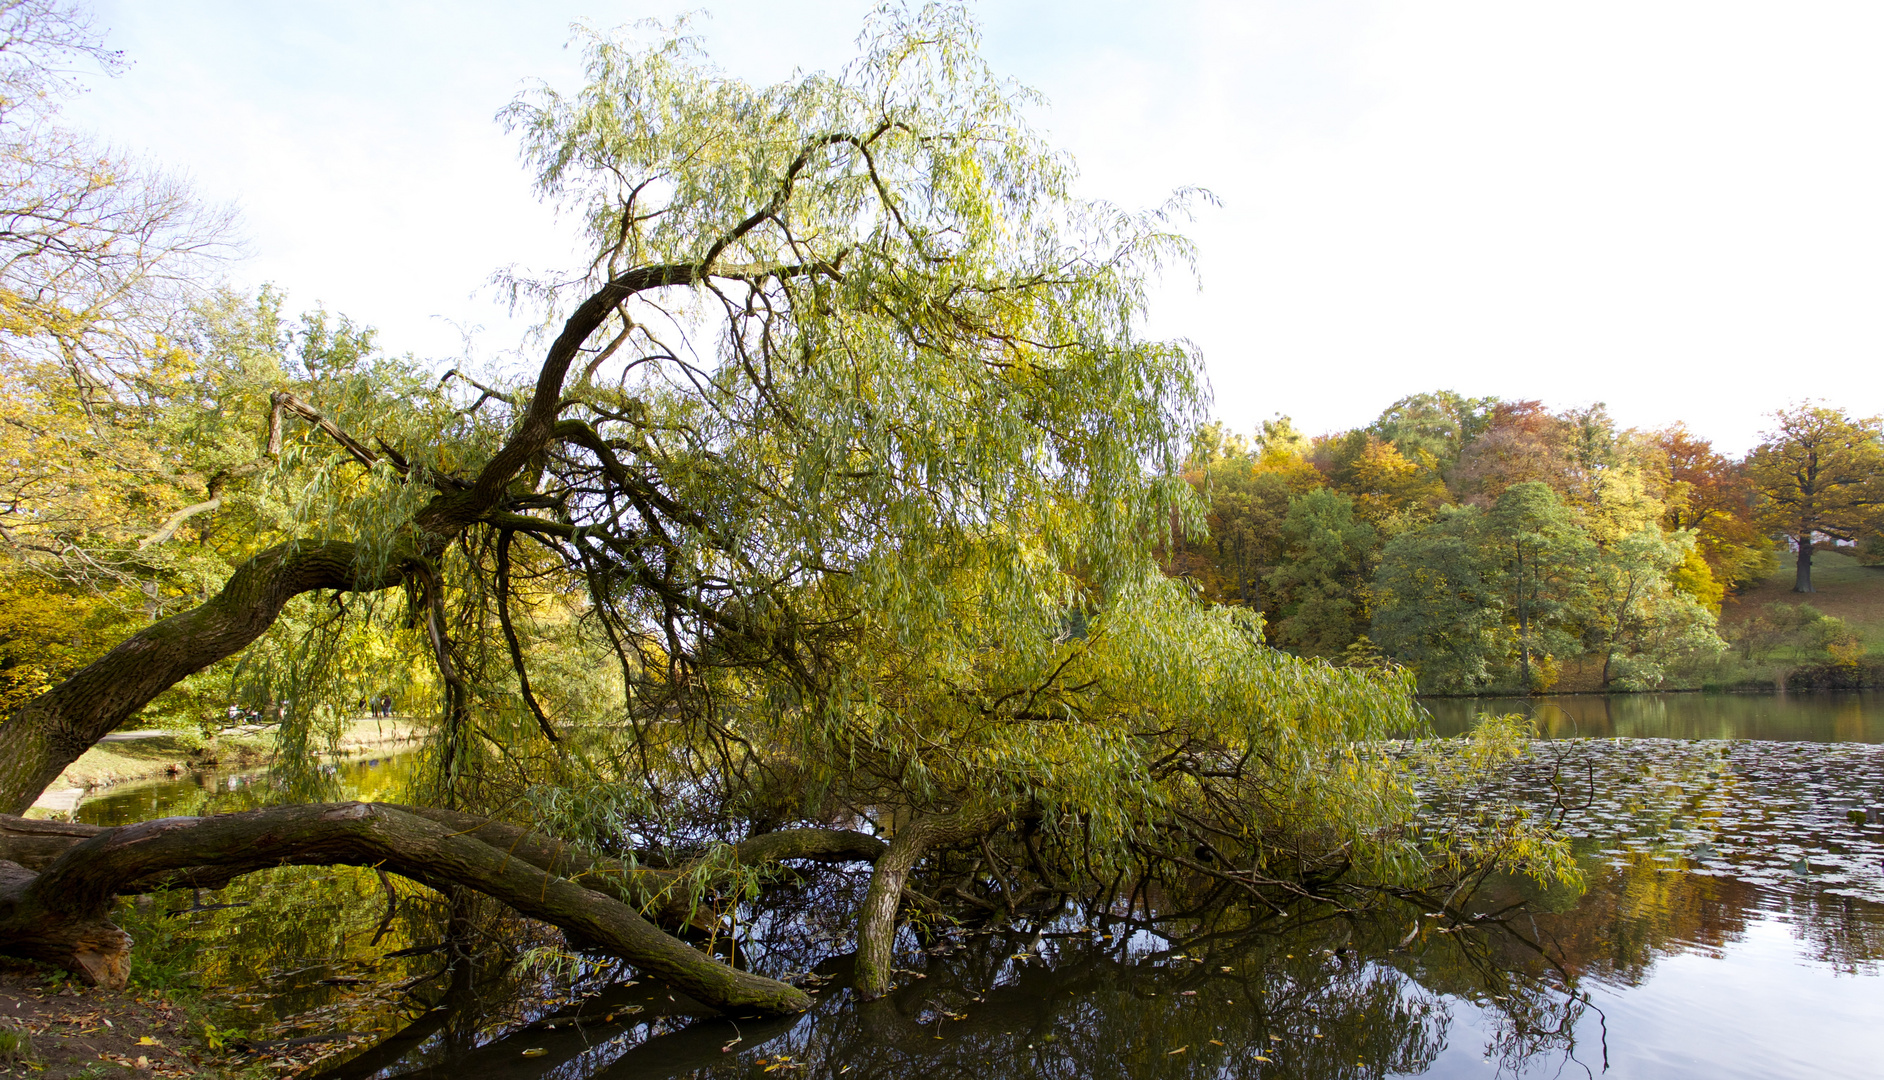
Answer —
(79, 1031)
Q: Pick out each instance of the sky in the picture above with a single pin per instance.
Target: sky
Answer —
(1673, 208)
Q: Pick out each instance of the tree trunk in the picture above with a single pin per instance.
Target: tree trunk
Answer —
(1802, 566)
(876, 924)
(50, 732)
(1524, 628)
(663, 895)
(61, 914)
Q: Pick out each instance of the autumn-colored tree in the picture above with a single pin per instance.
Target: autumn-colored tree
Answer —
(1819, 473)
(1521, 441)
(1248, 485)
(1389, 490)
(1708, 493)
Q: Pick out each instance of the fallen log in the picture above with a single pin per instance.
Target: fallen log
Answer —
(659, 893)
(664, 895)
(61, 913)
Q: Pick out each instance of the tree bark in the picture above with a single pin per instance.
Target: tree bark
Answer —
(1802, 566)
(49, 732)
(658, 893)
(61, 914)
(876, 924)
(661, 894)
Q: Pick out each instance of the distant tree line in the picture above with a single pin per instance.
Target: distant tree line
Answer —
(1486, 543)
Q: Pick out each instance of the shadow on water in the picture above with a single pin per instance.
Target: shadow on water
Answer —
(1730, 929)
(1832, 716)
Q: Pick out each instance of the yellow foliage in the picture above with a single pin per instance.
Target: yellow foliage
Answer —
(1696, 579)
(46, 633)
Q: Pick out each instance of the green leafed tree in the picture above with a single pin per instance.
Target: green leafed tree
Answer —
(1637, 619)
(847, 452)
(1485, 599)
(1541, 559)
(1318, 593)
(1438, 605)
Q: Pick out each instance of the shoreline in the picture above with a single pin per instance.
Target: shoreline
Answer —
(129, 757)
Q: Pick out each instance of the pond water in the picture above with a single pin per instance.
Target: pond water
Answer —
(1848, 716)
(1733, 927)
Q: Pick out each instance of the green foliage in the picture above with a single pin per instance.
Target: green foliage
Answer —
(1318, 592)
(1434, 427)
(1437, 608)
(1640, 619)
(1797, 632)
(1871, 549)
(1540, 559)
(1501, 599)
(16, 1047)
(1468, 832)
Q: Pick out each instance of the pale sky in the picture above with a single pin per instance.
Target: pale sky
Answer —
(1675, 208)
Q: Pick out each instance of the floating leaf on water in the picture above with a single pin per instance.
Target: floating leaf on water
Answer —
(535, 1051)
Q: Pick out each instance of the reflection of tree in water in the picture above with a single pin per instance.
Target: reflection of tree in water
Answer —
(1111, 998)
(1629, 917)
(1319, 992)
(1841, 931)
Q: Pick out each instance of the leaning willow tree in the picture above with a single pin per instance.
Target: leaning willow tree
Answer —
(847, 458)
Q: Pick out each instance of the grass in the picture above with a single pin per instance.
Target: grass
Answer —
(114, 762)
(1845, 590)
(16, 1047)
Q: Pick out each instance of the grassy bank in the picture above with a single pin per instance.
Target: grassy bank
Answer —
(1846, 591)
(157, 755)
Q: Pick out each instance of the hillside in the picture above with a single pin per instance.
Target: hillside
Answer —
(1846, 591)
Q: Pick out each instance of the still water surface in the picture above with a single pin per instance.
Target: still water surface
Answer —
(1732, 928)
(1847, 716)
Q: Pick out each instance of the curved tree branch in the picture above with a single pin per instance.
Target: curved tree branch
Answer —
(60, 915)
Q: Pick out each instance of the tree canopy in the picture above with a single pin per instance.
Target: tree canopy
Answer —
(1819, 472)
(847, 458)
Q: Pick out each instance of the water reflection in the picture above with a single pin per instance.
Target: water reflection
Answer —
(378, 777)
(1697, 951)
(1843, 716)
(1320, 993)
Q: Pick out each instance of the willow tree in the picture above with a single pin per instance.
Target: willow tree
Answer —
(847, 451)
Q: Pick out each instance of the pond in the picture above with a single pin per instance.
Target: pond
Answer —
(1733, 926)
(1848, 716)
